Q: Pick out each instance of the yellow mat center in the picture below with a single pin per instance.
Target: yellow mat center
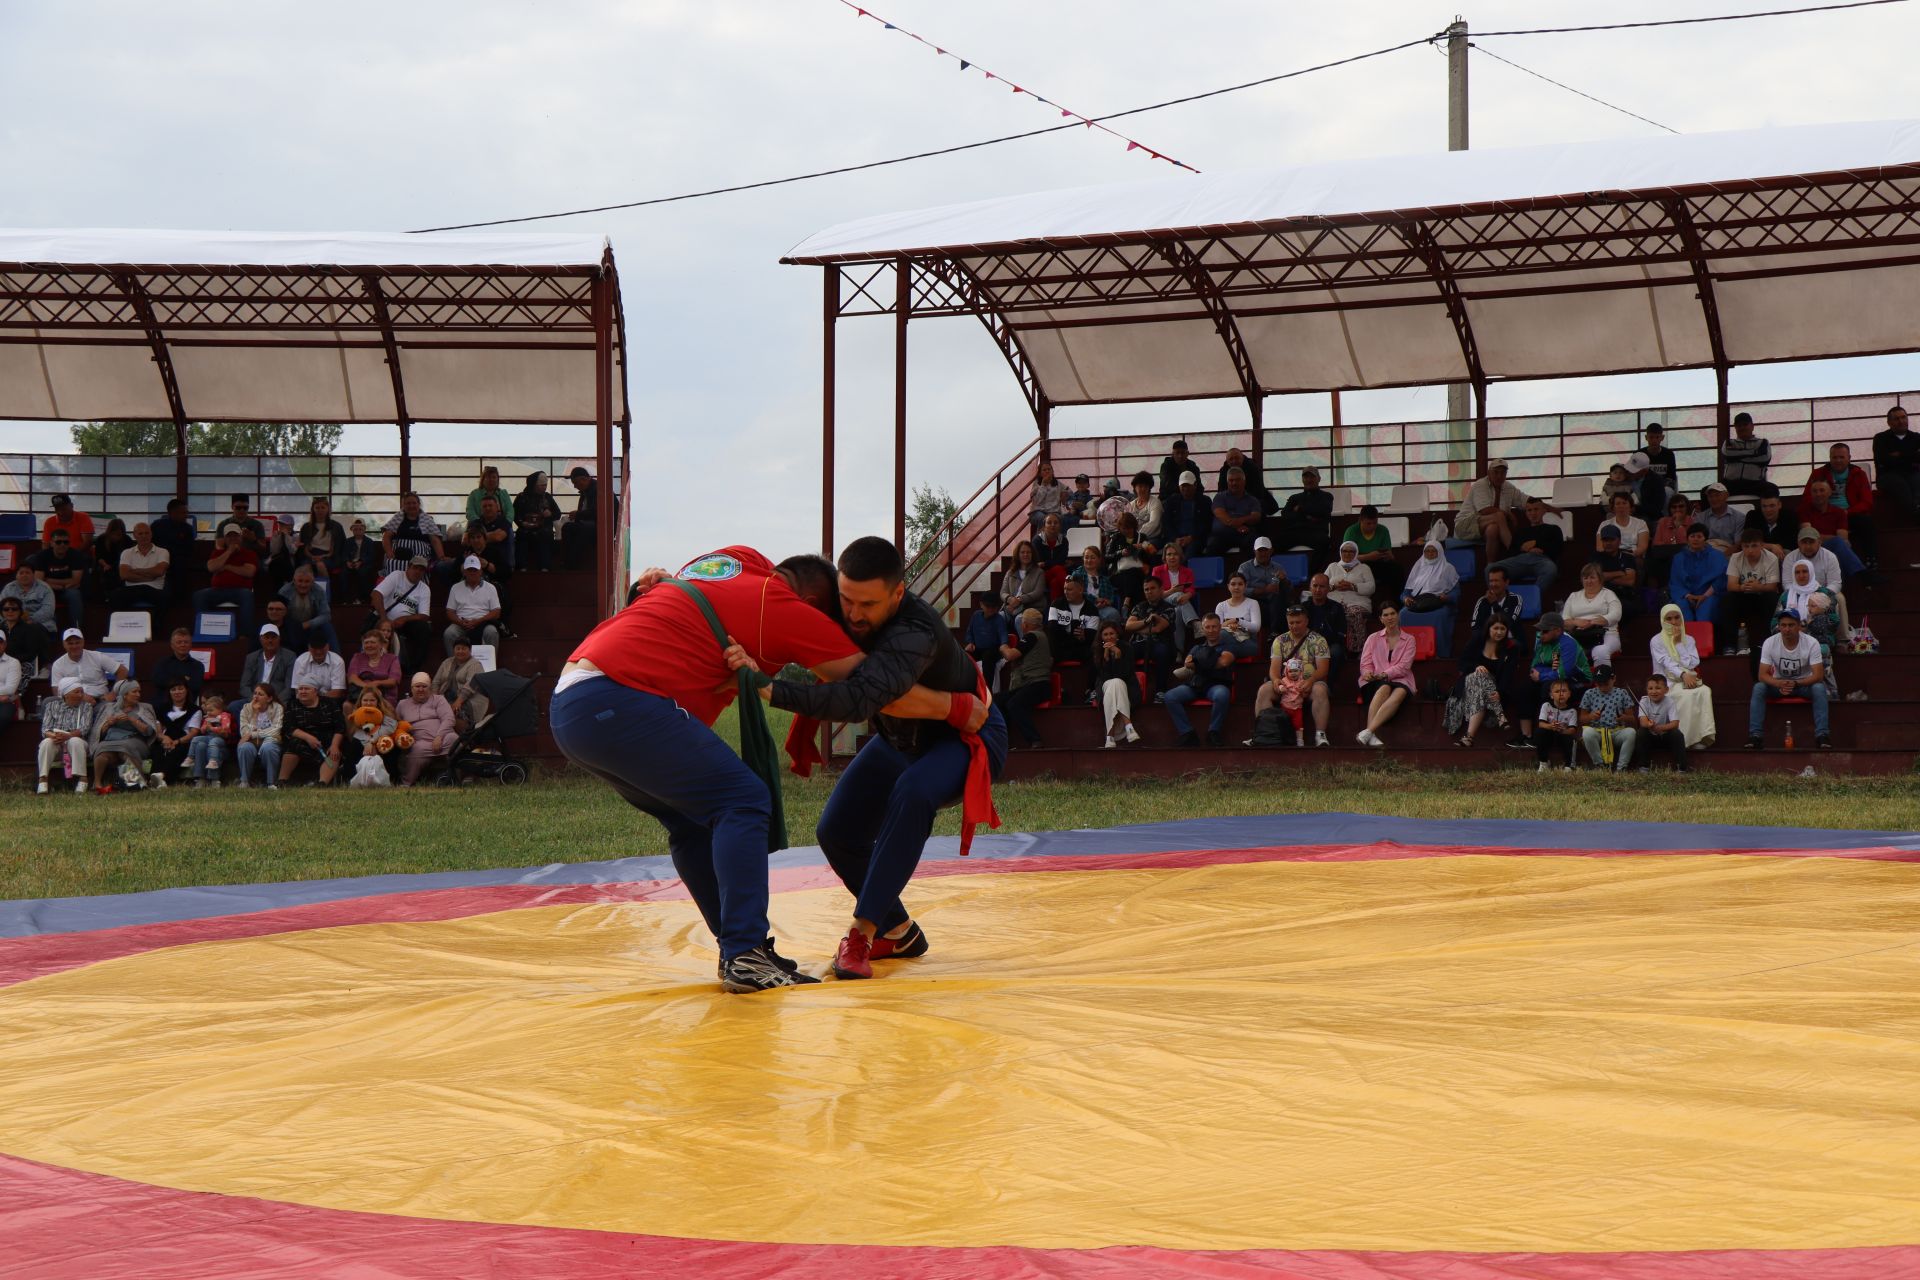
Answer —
(1478, 1053)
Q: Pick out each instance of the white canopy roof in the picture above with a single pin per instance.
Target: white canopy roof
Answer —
(1667, 253)
(296, 326)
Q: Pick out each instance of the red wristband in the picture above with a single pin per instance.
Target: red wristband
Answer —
(960, 710)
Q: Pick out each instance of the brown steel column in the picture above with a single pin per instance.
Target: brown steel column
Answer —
(1482, 445)
(830, 315)
(406, 455)
(1258, 404)
(902, 305)
(607, 514)
(1043, 417)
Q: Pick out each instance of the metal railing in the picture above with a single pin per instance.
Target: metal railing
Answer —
(139, 488)
(1369, 461)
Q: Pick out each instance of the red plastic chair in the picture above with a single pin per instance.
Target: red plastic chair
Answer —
(1425, 641)
(1702, 634)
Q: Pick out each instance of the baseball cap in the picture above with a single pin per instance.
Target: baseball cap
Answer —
(1548, 621)
(1637, 462)
(62, 500)
(471, 562)
(1609, 532)
(72, 633)
(1081, 476)
(1497, 464)
(1188, 477)
(1715, 485)
(1263, 544)
(268, 629)
(1808, 531)
(1603, 672)
(1296, 608)
(420, 562)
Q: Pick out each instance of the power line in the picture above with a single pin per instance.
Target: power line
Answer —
(1685, 22)
(941, 151)
(1570, 89)
(1174, 102)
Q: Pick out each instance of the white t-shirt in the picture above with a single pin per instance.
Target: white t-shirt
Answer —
(1665, 711)
(1246, 613)
(1826, 567)
(95, 671)
(1790, 664)
(404, 599)
(469, 603)
(1630, 533)
(154, 557)
(9, 676)
(1550, 714)
(1743, 572)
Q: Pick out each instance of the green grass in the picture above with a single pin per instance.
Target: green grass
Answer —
(65, 845)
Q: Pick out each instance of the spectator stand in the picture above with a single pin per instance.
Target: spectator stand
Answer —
(181, 327)
(1470, 267)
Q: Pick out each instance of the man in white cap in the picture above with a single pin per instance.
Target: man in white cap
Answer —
(1722, 521)
(96, 672)
(1186, 519)
(473, 607)
(1266, 583)
(1492, 510)
(65, 722)
(270, 664)
(404, 599)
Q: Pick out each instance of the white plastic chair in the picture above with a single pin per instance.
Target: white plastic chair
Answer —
(1561, 520)
(1080, 537)
(1409, 498)
(1572, 491)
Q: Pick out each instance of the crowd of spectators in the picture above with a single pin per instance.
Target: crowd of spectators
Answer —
(300, 704)
(1738, 571)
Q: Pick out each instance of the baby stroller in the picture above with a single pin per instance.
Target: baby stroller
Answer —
(481, 752)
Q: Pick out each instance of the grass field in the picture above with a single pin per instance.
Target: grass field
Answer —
(63, 845)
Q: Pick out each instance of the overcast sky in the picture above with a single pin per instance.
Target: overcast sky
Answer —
(351, 115)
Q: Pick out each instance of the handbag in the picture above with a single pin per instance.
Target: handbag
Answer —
(1427, 602)
(1273, 728)
(1861, 639)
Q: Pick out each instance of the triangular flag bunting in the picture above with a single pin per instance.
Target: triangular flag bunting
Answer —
(1133, 146)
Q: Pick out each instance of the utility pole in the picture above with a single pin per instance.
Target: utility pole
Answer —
(1459, 409)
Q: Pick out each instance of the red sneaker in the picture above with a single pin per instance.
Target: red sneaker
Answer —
(908, 946)
(853, 959)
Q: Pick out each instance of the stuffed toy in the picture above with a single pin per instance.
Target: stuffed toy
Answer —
(365, 718)
(403, 735)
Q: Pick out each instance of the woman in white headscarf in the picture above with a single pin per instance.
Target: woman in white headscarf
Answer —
(1432, 575)
(1350, 585)
(1676, 657)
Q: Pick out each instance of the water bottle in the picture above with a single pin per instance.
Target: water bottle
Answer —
(1789, 735)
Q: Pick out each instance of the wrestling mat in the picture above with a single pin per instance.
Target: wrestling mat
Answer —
(1333, 1047)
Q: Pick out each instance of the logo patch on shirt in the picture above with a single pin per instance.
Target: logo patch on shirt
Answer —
(713, 568)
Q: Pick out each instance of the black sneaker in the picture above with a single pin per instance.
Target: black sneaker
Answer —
(789, 965)
(759, 970)
(1823, 741)
(1189, 739)
(1754, 744)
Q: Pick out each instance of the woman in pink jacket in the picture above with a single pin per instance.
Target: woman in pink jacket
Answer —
(431, 718)
(1386, 674)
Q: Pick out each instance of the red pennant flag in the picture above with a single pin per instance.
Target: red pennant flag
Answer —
(989, 73)
(1018, 89)
(1133, 146)
(1066, 113)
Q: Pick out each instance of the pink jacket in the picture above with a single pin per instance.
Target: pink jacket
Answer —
(1396, 666)
(432, 720)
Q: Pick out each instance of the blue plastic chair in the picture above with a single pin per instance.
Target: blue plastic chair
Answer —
(1529, 597)
(1465, 561)
(1295, 565)
(1208, 571)
(18, 526)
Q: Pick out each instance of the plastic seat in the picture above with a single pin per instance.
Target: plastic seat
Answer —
(1702, 635)
(1465, 562)
(1425, 640)
(1409, 498)
(1399, 529)
(1208, 571)
(1570, 492)
(1080, 537)
(1295, 565)
(1529, 597)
